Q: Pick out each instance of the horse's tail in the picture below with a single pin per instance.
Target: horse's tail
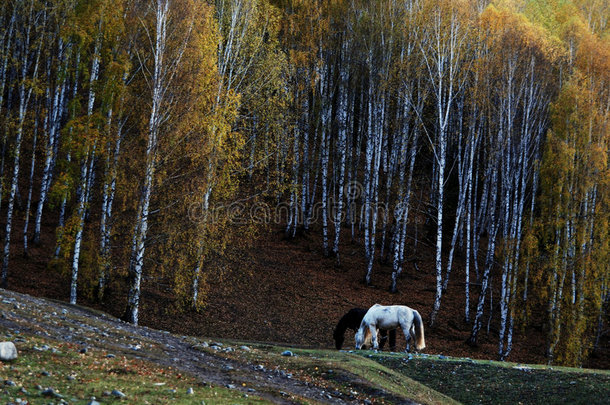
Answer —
(420, 343)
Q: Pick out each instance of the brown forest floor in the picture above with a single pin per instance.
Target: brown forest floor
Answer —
(288, 292)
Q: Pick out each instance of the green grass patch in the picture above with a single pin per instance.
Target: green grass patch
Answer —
(76, 377)
(353, 375)
(490, 382)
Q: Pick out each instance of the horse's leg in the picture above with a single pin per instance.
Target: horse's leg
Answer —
(373, 330)
(406, 329)
(411, 336)
(384, 336)
(393, 340)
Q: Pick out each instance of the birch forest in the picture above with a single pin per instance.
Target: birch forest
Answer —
(146, 139)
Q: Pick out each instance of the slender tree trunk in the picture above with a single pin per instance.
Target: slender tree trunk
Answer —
(489, 261)
(324, 153)
(109, 189)
(51, 147)
(24, 99)
(30, 188)
(342, 146)
(86, 168)
(161, 81)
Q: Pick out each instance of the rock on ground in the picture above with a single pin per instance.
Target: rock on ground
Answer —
(8, 351)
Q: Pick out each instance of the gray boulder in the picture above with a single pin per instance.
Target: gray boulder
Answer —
(8, 351)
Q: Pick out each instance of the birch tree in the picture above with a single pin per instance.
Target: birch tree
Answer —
(29, 58)
(442, 48)
(166, 52)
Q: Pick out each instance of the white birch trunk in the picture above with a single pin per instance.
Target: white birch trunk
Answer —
(367, 190)
(86, 167)
(342, 146)
(24, 99)
(161, 81)
(324, 153)
(109, 189)
(52, 142)
(31, 186)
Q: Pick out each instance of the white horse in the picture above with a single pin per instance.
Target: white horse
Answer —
(390, 317)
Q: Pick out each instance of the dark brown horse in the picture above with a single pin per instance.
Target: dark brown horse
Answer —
(351, 320)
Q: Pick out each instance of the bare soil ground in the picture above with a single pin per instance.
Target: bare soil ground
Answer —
(286, 291)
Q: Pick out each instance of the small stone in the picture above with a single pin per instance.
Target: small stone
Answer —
(39, 387)
(110, 356)
(245, 348)
(287, 353)
(45, 373)
(251, 390)
(106, 393)
(10, 383)
(118, 394)
(71, 378)
(190, 391)
(83, 350)
(230, 386)
(227, 368)
(171, 391)
(8, 351)
(49, 392)
(441, 357)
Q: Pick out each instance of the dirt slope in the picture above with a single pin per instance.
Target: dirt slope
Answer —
(286, 291)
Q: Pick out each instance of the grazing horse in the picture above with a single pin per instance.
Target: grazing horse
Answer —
(390, 317)
(351, 320)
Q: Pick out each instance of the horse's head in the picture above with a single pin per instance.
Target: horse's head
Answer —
(339, 338)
